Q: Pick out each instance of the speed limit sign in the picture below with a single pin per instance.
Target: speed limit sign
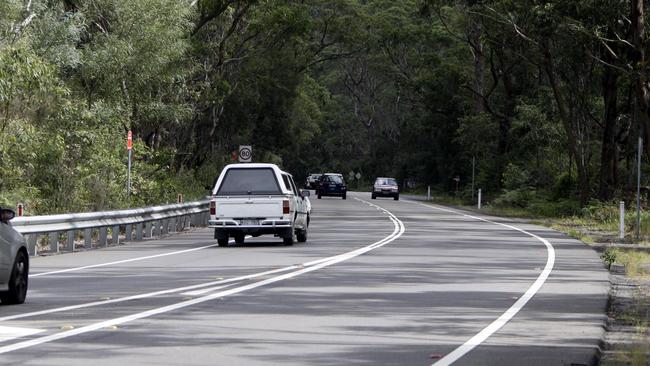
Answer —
(245, 153)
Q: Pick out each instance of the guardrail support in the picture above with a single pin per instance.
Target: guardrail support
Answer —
(69, 243)
(103, 237)
(88, 239)
(138, 231)
(31, 243)
(115, 232)
(147, 229)
(128, 232)
(157, 228)
(54, 242)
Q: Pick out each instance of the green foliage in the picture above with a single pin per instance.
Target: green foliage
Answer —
(565, 186)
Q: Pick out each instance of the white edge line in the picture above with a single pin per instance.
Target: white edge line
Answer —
(493, 327)
(397, 232)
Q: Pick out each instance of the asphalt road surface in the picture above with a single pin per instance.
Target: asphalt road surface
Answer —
(379, 282)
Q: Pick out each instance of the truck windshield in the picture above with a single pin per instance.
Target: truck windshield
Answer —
(249, 181)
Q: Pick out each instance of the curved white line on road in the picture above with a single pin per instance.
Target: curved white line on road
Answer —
(484, 334)
(399, 229)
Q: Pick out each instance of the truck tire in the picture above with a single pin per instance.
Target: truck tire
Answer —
(287, 241)
(396, 198)
(344, 196)
(302, 235)
(373, 196)
(222, 242)
(239, 239)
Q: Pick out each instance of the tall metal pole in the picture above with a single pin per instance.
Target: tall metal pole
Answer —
(638, 189)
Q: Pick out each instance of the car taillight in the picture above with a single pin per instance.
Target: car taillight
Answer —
(285, 207)
(213, 208)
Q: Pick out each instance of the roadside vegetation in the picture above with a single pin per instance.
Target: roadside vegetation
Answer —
(540, 96)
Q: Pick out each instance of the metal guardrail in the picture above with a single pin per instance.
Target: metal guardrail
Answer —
(81, 227)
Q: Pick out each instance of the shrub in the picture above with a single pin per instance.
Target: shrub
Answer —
(515, 198)
(564, 187)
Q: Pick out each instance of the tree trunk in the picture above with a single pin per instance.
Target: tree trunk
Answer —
(566, 116)
(642, 87)
(609, 155)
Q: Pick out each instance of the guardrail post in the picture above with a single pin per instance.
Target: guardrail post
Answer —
(115, 231)
(173, 225)
(31, 243)
(138, 231)
(157, 228)
(69, 243)
(88, 239)
(103, 237)
(206, 219)
(54, 242)
(147, 229)
(165, 226)
(128, 232)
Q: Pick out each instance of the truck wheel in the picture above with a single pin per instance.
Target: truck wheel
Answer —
(373, 196)
(239, 239)
(344, 197)
(18, 281)
(302, 235)
(396, 198)
(319, 196)
(222, 242)
(288, 241)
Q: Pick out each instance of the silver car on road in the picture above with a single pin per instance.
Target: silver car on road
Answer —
(14, 262)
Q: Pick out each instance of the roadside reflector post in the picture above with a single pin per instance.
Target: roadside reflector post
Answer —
(621, 228)
(479, 198)
(20, 210)
(180, 198)
(428, 193)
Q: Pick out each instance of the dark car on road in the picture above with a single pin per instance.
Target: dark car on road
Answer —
(385, 187)
(331, 184)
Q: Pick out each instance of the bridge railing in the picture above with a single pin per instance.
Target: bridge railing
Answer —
(70, 232)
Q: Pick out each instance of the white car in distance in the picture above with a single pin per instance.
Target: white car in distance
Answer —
(258, 199)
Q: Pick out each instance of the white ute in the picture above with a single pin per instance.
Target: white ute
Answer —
(258, 199)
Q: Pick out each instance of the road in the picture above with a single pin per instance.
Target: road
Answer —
(379, 282)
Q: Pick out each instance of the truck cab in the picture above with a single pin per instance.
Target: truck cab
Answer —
(258, 199)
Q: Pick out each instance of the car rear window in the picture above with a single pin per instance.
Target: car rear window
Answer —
(249, 181)
(388, 182)
(333, 179)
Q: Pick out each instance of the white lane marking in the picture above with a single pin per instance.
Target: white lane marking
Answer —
(120, 262)
(126, 260)
(9, 333)
(147, 295)
(397, 232)
(481, 336)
